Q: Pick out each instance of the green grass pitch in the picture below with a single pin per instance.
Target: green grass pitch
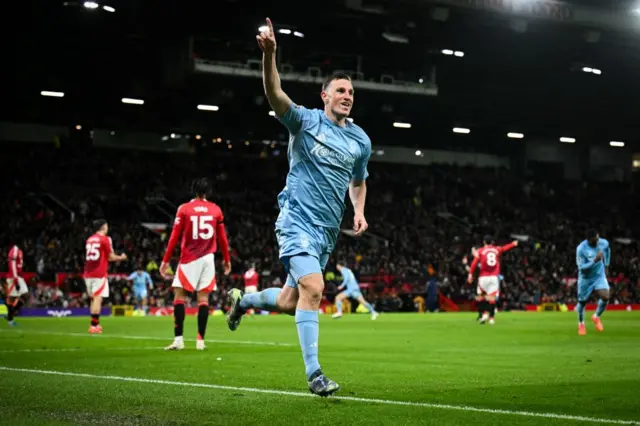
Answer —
(440, 369)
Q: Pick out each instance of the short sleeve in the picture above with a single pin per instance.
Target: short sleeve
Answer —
(360, 172)
(295, 118)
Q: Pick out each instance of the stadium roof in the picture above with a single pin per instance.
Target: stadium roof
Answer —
(542, 78)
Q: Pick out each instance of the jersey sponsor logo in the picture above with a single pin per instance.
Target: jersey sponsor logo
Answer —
(333, 156)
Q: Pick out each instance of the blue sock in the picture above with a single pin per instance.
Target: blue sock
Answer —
(369, 306)
(265, 300)
(580, 308)
(339, 306)
(602, 305)
(308, 331)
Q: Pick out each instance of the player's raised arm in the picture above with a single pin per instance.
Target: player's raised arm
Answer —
(278, 100)
(509, 246)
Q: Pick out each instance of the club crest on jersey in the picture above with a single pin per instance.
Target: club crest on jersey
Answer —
(332, 156)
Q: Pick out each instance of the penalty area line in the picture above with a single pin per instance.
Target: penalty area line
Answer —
(344, 398)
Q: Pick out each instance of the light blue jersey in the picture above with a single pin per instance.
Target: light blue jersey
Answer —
(349, 282)
(140, 283)
(591, 274)
(323, 159)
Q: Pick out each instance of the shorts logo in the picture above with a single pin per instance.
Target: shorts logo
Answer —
(304, 241)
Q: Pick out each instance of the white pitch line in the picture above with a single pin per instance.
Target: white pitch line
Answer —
(147, 348)
(167, 339)
(344, 398)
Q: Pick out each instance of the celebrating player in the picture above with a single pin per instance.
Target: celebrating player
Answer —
(327, 155)
(197, 222)
(141, 282)
(352, 290)
(488, 281)
(99, 252)
(16, 286)
(592, 257)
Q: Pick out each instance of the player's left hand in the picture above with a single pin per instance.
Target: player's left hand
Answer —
(227, 268)
(359, 223)
(164, 267)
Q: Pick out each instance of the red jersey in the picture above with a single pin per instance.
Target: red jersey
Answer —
(489, 259)
(251, 278)
(98, 248)
(198, 222)
(15, 262)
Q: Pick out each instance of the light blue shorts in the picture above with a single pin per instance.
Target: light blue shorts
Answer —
(354, 294)
(140, 294)
(587, 286)
(305, 249)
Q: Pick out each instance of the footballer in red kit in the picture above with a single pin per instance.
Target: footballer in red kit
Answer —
(198, 224)
(251, 279)
(489, 277)
(98, 253)
(16, 286)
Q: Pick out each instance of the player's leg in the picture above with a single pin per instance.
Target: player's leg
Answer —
(179, 296)
(145, 304)
(203, 318)
(369, 306)
(603, 301)
(480, 305)
(98, 288)
(341, 297)
(585, 288)
(307, 271)
(490, 301)
(10, 300)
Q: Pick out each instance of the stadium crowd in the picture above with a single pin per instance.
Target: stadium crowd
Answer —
(423, 220)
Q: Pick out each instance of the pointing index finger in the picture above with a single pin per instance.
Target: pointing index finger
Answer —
(270, 25)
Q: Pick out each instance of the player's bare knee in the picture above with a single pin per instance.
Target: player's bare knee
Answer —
(178, 293)
(203, 297)
(312, 286)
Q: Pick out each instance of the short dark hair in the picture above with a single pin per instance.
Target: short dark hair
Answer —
(488, 239)
(335, 76)
(98, 224)
(200, 187)
(591, 233)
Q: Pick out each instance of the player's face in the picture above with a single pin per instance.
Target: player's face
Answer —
(339, 97)
(593, 242)
(105, 228)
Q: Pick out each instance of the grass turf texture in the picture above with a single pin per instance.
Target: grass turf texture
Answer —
(528, 362)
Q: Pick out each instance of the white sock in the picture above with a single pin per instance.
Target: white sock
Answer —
(178, 339)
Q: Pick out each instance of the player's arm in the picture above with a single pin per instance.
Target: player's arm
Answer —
(509, 246)
(472, 269)
(13, 266)
(111, 255)
(358, 189)
(223, 241)
(607, 255)
(277, 98)
(176, 232)
(131, 277)
(582, 261)
(147, 278)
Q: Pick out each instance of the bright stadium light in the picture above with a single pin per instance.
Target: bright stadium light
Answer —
(617, 144)
(298, 34)
(90, 4)
(459, 54)
(284, 31)
(596, 71)
(132, 101)
(513, 135)
(461, 130)
(447, 52)
(565, 139)
(401, 125)
(263, 28)
(272, 113)
(208, 107)
(52, 94)
(418, 153)
(108, 8)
